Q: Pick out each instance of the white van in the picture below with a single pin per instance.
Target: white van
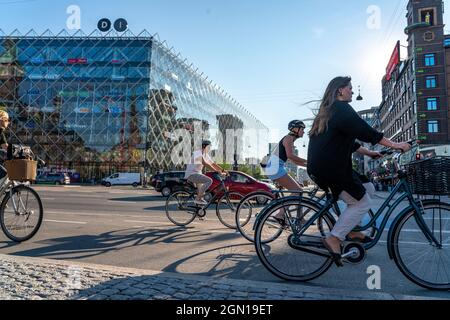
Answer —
(121, 178)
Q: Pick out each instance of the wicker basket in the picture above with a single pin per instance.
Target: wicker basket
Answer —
(21, 169)
(430, 176)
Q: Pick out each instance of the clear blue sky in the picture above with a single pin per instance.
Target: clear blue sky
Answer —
(271, 56)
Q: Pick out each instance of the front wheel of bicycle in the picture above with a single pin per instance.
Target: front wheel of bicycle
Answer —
(21, 213)
(280, 256)
(180, 208)
(248, 210)
(418, 258)
(226, 209)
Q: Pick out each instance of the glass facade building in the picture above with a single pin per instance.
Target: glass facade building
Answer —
(98, 104)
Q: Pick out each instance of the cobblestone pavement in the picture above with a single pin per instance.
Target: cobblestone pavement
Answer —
(23, 278)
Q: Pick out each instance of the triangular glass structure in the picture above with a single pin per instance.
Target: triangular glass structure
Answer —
(94, 104)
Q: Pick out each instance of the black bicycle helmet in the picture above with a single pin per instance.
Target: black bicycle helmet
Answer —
(296, 124)
(206, 143)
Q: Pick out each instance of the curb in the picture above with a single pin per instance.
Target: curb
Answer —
(359, 295)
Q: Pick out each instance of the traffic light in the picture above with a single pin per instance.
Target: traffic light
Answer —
(418, 156)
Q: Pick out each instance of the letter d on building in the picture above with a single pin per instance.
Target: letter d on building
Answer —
(104, 25)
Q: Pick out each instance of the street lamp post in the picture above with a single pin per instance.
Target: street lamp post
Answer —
(359, 98)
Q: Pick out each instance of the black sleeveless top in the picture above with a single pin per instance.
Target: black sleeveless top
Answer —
(282, 150)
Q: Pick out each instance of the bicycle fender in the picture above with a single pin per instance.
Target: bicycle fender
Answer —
(396, 222)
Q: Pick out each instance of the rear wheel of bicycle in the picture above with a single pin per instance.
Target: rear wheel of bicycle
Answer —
(419, 259)
(21, 213)
(226, 209)
(248, 210)
(279, 256)
(180, 208)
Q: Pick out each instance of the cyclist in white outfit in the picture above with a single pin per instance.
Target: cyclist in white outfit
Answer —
(194, 171)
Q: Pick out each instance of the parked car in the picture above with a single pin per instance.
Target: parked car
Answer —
(153, 179)
(168, 182)
(122, 178)
(75, 177)
(240, 182)
(53, 178)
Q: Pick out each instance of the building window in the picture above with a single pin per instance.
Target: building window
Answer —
(431, 82)
(430, 59)
(433, 126)
(414, 110)
(427, 16)
(432, 104)
(413, 86)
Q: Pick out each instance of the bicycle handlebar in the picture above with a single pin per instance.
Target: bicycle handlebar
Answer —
(390, 151)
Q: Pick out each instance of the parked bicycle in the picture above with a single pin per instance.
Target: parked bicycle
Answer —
(181, 209)
(418, 239)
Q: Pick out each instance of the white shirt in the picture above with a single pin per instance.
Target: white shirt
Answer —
(196, 164)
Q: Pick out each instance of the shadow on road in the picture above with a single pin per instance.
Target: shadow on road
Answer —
(235, 261)
(8, 244)
(85, 246)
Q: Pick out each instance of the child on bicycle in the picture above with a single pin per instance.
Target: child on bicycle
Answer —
(194, 171)
(332, 142)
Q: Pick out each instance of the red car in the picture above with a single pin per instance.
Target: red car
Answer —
(241, 183)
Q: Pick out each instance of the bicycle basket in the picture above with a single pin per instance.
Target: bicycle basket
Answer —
(430, 176)
(21, 169)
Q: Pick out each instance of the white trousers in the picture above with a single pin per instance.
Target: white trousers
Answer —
(354, 213)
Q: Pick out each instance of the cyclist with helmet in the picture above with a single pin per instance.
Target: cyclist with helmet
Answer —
(194, 171)
(275, 168)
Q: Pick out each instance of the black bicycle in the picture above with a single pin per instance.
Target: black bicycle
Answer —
(418, 239)
(181, 209)
(251, 206)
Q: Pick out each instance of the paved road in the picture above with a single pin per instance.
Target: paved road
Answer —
(127, 227)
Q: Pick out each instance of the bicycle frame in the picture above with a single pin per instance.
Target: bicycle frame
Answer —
(215, 197)
(372, 223)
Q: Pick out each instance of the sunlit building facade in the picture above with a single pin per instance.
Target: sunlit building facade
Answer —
(103, 103)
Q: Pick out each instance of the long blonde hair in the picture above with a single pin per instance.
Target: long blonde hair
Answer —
(320, 124)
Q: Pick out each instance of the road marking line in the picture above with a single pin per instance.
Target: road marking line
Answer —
(109, 215)
(149, 222)
(124, 202)
(418, 230)
(172, 225)
(414, 242)
(47, 198)
(60, 221)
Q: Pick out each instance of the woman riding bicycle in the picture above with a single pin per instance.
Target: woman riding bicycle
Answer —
(4, 123)
(275, 168)
(199, 159)
(332, 142)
